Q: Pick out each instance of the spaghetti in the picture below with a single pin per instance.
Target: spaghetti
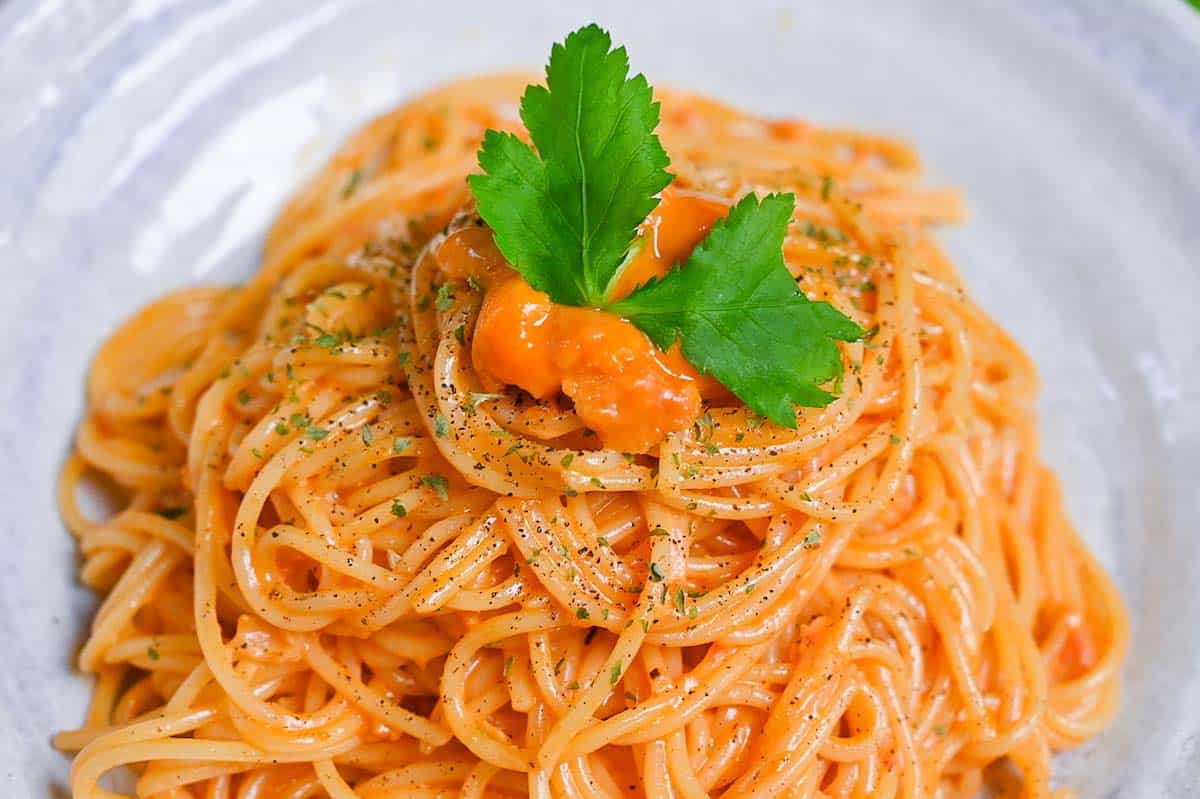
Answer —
(346, 566)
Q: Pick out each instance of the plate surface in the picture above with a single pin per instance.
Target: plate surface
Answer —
(145, 146)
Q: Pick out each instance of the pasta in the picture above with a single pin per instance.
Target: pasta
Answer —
(341, 567)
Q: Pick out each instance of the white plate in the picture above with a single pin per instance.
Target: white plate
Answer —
(143, 148)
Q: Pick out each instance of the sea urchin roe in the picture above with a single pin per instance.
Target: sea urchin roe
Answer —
(513, 339)
(470, 253)
(668, 236)
(623, 387)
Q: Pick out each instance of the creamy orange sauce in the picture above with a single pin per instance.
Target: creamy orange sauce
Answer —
(623, 387)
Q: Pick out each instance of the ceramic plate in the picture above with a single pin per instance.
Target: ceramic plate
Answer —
(145, 146)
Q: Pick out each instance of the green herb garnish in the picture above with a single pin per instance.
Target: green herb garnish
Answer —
(564, 213)
(741, 318)
(330, 341)
(351, 184)
(439, 484)
(564, 216)
(445, 298)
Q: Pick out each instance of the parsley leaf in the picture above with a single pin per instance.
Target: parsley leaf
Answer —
(614, 675)
(439, 484)
(564, 212)
(741, 317)
(565, 216)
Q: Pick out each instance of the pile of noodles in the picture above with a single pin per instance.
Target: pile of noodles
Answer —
(340, 569)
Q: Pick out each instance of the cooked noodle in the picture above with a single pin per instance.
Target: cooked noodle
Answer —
(310, 592)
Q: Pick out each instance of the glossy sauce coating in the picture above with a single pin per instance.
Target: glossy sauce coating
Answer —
(623, 387)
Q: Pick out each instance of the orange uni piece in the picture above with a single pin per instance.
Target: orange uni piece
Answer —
(624, 388)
